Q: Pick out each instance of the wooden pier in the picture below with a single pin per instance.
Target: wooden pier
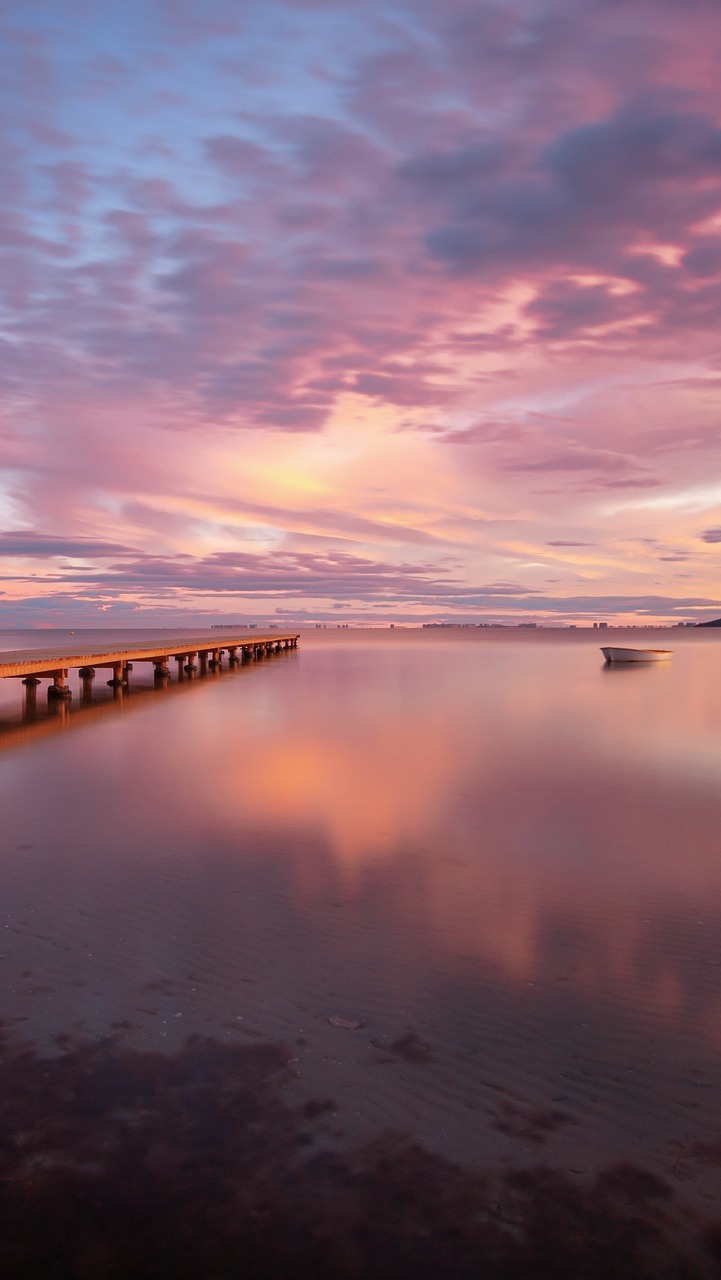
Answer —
(190, 652)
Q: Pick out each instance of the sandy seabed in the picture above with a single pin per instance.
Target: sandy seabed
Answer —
(124, 1164)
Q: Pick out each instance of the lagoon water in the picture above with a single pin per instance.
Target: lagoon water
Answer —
(472, 880)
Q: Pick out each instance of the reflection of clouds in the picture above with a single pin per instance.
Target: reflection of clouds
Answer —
(510, 813)
(489, 807)
(367, 793)
(466, 835)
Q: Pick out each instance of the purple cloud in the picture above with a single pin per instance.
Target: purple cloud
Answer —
(577, 201)
(600, 461)
(486, 225)
(21, 543)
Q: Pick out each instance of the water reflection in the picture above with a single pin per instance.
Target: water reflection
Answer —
(36, 713)
(482, 846)
(557, 865)
(624, 668)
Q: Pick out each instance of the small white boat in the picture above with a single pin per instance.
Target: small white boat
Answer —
(635, 655)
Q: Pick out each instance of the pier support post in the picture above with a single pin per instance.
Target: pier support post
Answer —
(217, 659)
(58, 688)
(118, 679)
(233, 654)
(30, 701)
(203, 660)
(161, 670)
(86, 676)
(31, 681)
(190, 665)
(59, 707)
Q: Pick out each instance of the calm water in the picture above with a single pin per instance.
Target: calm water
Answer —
(472, 880)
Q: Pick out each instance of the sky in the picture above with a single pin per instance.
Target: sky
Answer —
(362, 311)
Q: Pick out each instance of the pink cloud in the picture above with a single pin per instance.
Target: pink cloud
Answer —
(486, 225)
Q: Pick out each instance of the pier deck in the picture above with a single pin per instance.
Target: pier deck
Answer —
(33, 665)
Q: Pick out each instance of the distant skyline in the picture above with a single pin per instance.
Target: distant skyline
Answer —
(360, 311)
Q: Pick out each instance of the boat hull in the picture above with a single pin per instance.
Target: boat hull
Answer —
(614, 654)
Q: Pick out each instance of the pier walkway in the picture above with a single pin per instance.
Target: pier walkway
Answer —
(34, 665)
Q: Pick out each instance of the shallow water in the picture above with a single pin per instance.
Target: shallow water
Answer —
(471, 879)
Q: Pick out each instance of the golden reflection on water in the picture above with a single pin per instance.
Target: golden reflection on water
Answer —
(525, 811)
(506, 807)
(367, 793)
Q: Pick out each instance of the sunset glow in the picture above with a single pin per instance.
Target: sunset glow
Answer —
(360, 312)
